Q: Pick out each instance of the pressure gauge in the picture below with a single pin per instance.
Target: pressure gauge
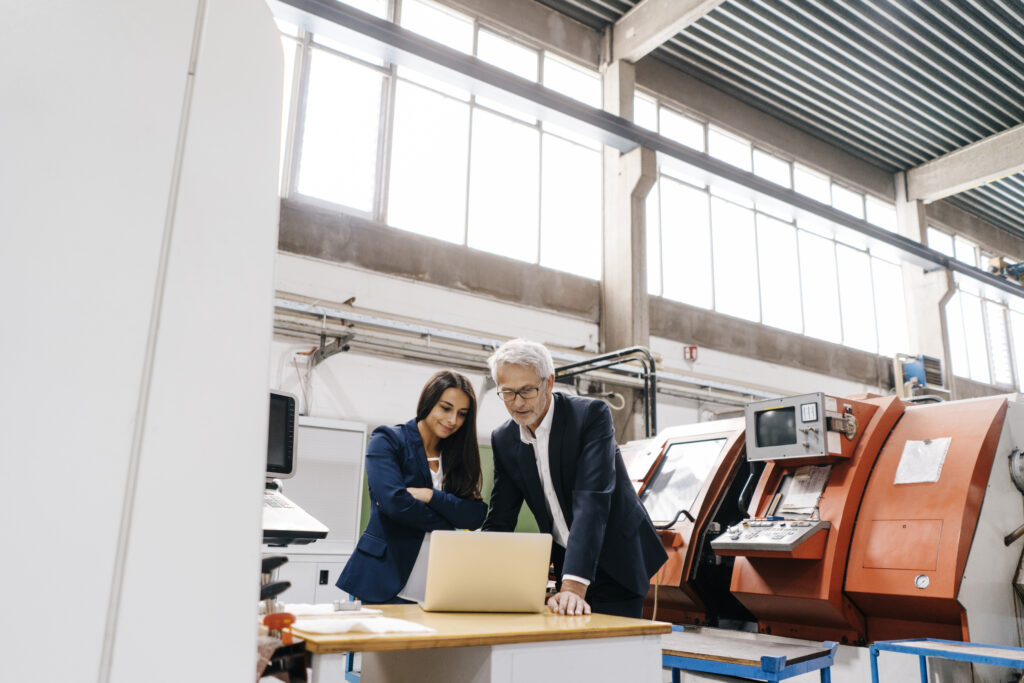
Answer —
(922, 581)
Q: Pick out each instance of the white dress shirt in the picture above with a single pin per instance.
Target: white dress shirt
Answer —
(559, 529)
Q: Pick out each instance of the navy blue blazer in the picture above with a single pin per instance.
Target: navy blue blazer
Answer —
(608, 526)
(386, 552)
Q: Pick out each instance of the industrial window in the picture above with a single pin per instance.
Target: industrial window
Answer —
(428, 163)
(339, 141)
(716, 247)
(419, 154)
(779, 269)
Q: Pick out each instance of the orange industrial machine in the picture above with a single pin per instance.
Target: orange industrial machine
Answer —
(791, 553)
(688, 478)
(909, 570)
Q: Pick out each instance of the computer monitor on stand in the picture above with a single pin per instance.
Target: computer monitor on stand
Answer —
(284, 522)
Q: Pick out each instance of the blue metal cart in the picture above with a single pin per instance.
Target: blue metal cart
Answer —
(760, 658)
(977, 653)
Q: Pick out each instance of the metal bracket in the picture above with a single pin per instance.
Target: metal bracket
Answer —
(327, 349)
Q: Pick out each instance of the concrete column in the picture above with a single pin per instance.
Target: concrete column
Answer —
(926, 292)
(628, 178)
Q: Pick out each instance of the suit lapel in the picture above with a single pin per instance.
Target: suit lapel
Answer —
(556, 447)
(419, 454)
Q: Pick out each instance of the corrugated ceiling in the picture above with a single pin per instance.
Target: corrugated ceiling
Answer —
(895, 83)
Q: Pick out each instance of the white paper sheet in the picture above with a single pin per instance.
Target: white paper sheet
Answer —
(922, 461)
(805, 489)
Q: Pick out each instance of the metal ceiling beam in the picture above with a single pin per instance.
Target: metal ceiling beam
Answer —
(995, 157)
(650, 23)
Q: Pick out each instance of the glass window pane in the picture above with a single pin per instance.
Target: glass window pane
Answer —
(571, 208)
(652, 229)
(890, 307)
(812, 184)
(848, 201)
(974, 333)
(735, 260)
(429, 152)
(771, 167)
(289, 47)
(940, 241)
(966, 251)
(1017, 329)
(439, 24)
(572, 80)
(957, 339)
(819, 286)
(855, 298)
(645, 112)
(339, 140)
(880, 213)
(729, 148)
(682, 129)
(680, 478)
(685, 244)
(504, 187)
(999, 344)
(512, 57)
(779, 270)
(507, 54)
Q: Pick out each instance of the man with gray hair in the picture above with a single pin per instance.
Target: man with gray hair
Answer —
(558, 453)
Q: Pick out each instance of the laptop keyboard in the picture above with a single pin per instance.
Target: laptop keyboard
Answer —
(273, 500)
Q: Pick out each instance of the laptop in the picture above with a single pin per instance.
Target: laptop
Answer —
(285, 523)
(486, 571)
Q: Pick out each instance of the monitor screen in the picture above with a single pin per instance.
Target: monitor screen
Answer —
(680, 478)
(776, 427)
(281, 436)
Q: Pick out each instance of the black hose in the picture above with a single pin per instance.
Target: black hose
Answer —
(675, 519)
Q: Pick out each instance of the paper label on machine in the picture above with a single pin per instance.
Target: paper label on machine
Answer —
(922, 461)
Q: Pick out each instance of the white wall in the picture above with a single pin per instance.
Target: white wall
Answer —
(377, 390)
(121, 405)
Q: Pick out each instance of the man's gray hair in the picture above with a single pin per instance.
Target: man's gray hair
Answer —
(522, 352)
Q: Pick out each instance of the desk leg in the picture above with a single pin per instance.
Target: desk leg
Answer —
(329, 668)
(924, 669)
(874, 664)
(675, 675)
(826, 675)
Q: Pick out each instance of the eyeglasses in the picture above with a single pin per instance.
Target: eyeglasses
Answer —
(509, 395)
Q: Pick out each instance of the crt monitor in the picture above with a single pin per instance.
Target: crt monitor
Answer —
(281, 436)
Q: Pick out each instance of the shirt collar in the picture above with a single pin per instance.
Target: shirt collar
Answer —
(543, 429)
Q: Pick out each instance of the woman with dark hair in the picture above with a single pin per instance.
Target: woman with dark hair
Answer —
(423, 475)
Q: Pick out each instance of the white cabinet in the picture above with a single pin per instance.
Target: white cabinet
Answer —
(328, 484)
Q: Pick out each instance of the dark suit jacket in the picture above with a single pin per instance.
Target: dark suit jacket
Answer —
(387, 550)
(608, 526)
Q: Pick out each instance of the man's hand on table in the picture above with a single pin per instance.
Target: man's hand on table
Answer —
(569, 600)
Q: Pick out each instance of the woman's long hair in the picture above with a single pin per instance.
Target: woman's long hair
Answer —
(460, 454)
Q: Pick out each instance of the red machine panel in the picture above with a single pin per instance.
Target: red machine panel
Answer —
(685, 485)
(913, 535)
(803, 597)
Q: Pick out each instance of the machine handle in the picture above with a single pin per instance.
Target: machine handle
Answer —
(1013, 535)
(272, 562)
(273, 589)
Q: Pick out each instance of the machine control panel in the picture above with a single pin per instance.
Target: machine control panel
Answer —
(784, 535)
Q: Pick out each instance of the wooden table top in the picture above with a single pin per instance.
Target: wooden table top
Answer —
(465, 629)
(746, 651)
